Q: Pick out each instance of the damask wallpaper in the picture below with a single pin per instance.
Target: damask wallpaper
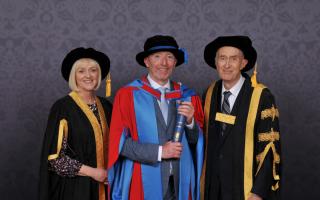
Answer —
(36, 34)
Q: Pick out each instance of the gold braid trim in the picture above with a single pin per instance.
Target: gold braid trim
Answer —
(276, 160)
(269, 136)
(98, 134)
(249, 139)
(271, 112)
(105, 131)
(207, 105)
(275, 186)
(63, 132)
(276, 157)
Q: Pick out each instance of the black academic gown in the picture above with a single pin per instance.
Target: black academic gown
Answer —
(225, 154)
(81, 146)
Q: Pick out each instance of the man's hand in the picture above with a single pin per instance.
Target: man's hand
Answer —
(186, 108)
(254, 197)
(171, 150)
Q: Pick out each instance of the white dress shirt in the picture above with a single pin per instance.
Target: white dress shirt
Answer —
(234, 92)
(156, 86)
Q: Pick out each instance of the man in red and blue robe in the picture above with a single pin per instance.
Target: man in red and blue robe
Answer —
(144, 161)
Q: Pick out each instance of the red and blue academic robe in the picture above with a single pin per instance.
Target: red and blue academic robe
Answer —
(134, 116)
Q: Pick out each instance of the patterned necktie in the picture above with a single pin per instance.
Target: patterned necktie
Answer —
(164, 103)
(225, 109)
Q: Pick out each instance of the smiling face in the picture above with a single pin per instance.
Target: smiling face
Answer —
(229, 62)
(87, 75)
(160, 66)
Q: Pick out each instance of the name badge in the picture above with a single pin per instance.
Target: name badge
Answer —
(228, 119)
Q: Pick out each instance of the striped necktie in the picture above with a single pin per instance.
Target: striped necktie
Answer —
(225, 109)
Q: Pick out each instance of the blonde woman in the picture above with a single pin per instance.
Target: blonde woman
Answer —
(74, 153)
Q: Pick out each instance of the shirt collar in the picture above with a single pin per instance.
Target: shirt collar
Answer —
(155, 85)
(236, 88)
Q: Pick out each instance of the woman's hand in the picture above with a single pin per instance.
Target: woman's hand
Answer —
(254, 197)
(97, 174)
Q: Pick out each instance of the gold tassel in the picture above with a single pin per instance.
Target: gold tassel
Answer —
(254, 82)
(108, 85)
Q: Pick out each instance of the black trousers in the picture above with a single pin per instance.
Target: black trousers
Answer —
(170, 194)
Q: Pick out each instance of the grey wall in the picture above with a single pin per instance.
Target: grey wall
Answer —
(36, 34)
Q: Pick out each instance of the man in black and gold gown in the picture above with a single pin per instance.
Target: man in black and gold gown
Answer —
(242, 127)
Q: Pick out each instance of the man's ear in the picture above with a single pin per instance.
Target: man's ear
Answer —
(146, 62)
(244, 63)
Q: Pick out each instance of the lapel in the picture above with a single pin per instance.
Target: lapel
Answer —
(236, 107)
(171, 113)
(172, 109)
(217, 108)
(160, 119)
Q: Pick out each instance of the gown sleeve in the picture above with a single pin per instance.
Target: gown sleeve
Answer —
(49, 145)
(267, 146)
(64, 165)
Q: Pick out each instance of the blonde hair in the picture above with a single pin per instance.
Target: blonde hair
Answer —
(72, 77)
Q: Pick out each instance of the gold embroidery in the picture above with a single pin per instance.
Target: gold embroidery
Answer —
(275, 187)
(271, 112)
(229, 119)
(63, 132)
(276, 160)
(276, 157)
(269, 136)
(248, 152)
